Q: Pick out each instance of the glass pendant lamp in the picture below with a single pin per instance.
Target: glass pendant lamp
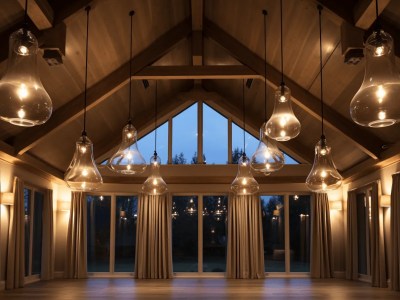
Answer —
(283, 124)
(267, 158)
(244, 183)
(323, 176)
(376, 102)
(155, 184)
(128, 159)
(82, 174)
(24, 101)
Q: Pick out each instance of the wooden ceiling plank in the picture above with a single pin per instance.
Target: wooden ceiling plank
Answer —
(369, 144)
(196, 72)
(102, 89)
(40, 12)
(365, 12)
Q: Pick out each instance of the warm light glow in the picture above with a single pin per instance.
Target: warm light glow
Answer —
(380, 93)
(83, 185)
(128, 167)
(129, 135)
(323, 173)
(379, 51)
(21, 114)
(283, 133)
(244, 181)
(382, 115)
(82, 149)
(22, 91)
(244, 191)
(129, 155)
(23, 50)
(283, 121)
(282, 98)
(324, 186)
(267, 166)
(155, 181)
(85, 172)
(323, 151)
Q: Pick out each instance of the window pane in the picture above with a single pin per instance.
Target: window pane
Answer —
(215, 212)
(184, 234)
(98, 232)
(362, 233)
(184, 136)
(146, 144)
(125, 233)
(273, 220)
(299, 220)
(37, 233)
(27, 208)
(237, 143)
(215, 136)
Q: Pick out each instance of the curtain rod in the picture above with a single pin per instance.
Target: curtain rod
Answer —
(365, 185)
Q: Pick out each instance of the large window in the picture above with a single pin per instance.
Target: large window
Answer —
(146, 144)
(273, 219)
(286, 232)
(111, 233)
(33, 203)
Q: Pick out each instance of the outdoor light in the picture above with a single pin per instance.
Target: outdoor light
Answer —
(155, 184)
(82, 174)
(191, 208)
(244, 183)
(376, 102)
(283, 124)
(323, 176)
(267, 158)
(24, 101)
(128, 159)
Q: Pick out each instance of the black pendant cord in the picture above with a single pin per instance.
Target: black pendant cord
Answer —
(25, 26)
(320, 72)
(377, 24)
(265, 63)
(282, 81)
(155, 121)
(244, 121)
(86, 69)
(131, 13)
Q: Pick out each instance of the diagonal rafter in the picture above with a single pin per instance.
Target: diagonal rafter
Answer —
(102, 89)
(369, 144)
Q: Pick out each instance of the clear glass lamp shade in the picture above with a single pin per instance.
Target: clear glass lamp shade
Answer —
(244, 183)
(283, 124)
(82, 174)
(128, 159)
(24, 101)
(154, 184)
(267, 158)
(376, 104)
(323, 176)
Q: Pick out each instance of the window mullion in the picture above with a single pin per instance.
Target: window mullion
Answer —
(112, 233)
(229, 140)
(200, 233)
(287, 233)
(200, 132)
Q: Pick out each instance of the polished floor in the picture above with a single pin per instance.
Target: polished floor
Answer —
(270, 288)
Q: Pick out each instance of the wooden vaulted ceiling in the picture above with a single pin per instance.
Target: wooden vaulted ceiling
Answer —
(198, 50)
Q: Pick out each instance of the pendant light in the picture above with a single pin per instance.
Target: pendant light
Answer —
(24, 100)
(283, 124)
(155, 184)
(128, 159)
(267, 158)
(244, 183)
(323, 176)
(82, 173)
(376, 102)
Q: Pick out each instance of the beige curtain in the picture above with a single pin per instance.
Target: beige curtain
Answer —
(76, 254)
(16, 239)
(245, 258)
(153, 237)
(321, 239)
(352, 239)
(378, 257)
(395, 233)
(47, 271)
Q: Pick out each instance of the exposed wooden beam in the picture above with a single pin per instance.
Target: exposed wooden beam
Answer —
(102, 89)
(365, 13)
(343, 9)
(197, 8)
(196, 72)
(65, 9)
(369, 144)
(40, 12)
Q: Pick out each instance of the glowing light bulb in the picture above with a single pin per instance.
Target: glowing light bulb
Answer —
(380, 93)
(267, 166)
(128, 167)
(324, 186)
(379, 51)
(282, 121)
(244, 191)
(129, 135)
(129, 155)
(83, 185)
(282, 98)
(21, 114)
(382, 115)
(83, 149)
(23, 50)
(323, 151)
(323, 174)
(283, 133)
(22, 91)
(244, 181)
(155, 181)
(267, 154)
(85, 172)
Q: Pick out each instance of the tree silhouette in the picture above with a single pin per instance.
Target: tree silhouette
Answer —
(236, 154)
(194, 158)
(179, 159)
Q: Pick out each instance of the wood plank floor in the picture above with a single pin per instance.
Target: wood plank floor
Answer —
(270, 288)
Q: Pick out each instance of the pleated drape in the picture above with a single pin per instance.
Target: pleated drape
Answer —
(378, 256)
(153, 237)
(321, 239)
(245, 257)
(352, 237)
(76, 254)
(395, 233)
(16, 239)
(47, 270)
